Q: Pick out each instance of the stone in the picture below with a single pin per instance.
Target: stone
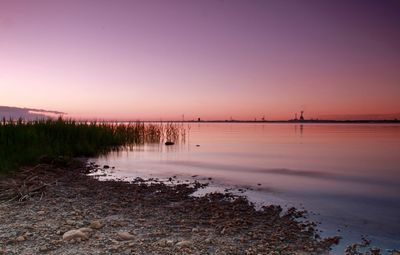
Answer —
(128, 251)
(165, 242)
(85, 230)
(123, 235)
(184, 243)
(70, 222)
(41, 212)
(74, 234)
(27, 233)
(162, 242)
(43, 248)
(96, 224)
(21, 238)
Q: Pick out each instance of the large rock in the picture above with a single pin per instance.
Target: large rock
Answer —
(123, 235)
(82, 233)
(85, 230)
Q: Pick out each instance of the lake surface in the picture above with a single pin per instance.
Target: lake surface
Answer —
(346, 175)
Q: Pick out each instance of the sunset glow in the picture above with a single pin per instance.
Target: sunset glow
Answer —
(154, 60)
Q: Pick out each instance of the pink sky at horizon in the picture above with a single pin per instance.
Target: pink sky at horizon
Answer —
(153, 60)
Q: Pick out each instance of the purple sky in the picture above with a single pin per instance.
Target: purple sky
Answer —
(210, 59)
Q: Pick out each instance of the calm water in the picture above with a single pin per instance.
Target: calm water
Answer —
(348, 176)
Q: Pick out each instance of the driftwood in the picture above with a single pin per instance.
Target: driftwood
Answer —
(26, 183)
(20, 192)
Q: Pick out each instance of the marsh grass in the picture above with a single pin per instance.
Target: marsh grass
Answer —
(24, 142)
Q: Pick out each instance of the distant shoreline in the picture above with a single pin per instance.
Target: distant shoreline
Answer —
(396, 121)
(306, 121)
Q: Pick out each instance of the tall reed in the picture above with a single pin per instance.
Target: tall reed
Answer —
(24, 142)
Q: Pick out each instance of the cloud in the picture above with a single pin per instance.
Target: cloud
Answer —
(27, 113)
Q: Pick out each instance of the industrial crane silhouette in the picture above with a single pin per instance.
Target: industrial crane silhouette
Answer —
(301, 116)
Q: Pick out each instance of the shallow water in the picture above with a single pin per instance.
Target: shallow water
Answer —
(347, 175)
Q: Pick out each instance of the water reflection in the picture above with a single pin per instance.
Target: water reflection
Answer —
(300, 127)
(347, 173)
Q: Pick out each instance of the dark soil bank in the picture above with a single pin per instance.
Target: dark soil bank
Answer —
(50, 209)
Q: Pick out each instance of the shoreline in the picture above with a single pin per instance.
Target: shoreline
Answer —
(142, 217)
(351, 229)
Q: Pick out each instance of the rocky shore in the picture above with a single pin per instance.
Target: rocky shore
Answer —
(56, 208)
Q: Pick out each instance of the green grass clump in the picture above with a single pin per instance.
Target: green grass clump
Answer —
(24, 142)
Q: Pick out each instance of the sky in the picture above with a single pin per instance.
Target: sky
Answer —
(153, 60)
